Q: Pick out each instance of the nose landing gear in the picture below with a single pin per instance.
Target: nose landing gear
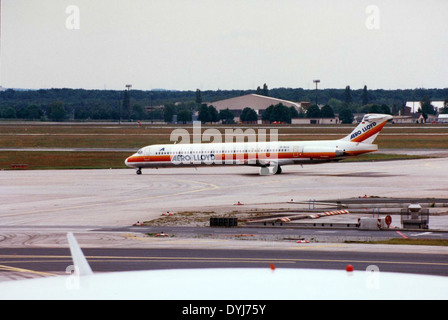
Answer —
(139, 171)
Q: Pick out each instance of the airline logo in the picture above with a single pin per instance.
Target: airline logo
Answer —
(363, 130)
(196, 157)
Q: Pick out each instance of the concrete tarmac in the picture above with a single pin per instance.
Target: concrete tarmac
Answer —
(120, 197)
(37, 208)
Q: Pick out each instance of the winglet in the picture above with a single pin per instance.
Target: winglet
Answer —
(79, 260)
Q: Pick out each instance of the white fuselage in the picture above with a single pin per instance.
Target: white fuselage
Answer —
(263, 154)
(254, 153)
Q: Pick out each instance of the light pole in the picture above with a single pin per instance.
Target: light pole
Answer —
(127, 100)
(316, 82)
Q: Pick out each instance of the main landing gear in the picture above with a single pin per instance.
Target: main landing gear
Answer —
(139, 171)
(265, 171)
(279, 170)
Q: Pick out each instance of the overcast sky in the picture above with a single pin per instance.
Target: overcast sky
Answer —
(224, 44)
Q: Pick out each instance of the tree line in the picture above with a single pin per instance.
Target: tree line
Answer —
(81, 104)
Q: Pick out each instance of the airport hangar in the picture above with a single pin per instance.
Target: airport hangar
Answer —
(255, 101)
(260, 103)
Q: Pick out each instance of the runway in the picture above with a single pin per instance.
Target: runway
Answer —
(37, 208)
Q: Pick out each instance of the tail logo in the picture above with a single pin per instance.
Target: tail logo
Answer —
(364, 130)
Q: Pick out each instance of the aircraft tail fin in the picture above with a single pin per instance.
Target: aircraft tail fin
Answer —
(79, 260)
(369, 128)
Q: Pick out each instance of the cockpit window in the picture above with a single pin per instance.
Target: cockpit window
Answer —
(140, 151)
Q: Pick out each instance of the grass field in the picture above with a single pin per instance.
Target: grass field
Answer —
(63, 160)
(42, 135)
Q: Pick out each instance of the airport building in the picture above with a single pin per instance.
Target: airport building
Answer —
(334, 120)
(415, 105)
(443, 118)
(254, 101)
(410, 113)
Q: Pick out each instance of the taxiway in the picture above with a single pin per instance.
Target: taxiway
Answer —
(119, 197)
(37, 208)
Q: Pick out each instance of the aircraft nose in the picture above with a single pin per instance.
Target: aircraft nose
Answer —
(126, 162)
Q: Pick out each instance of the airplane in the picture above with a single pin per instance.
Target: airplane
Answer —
(224, 284)
(263, 154)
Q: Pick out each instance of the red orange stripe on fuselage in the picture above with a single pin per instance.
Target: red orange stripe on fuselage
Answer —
(249, 156)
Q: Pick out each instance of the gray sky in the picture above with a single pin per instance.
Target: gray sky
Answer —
(224, 44)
